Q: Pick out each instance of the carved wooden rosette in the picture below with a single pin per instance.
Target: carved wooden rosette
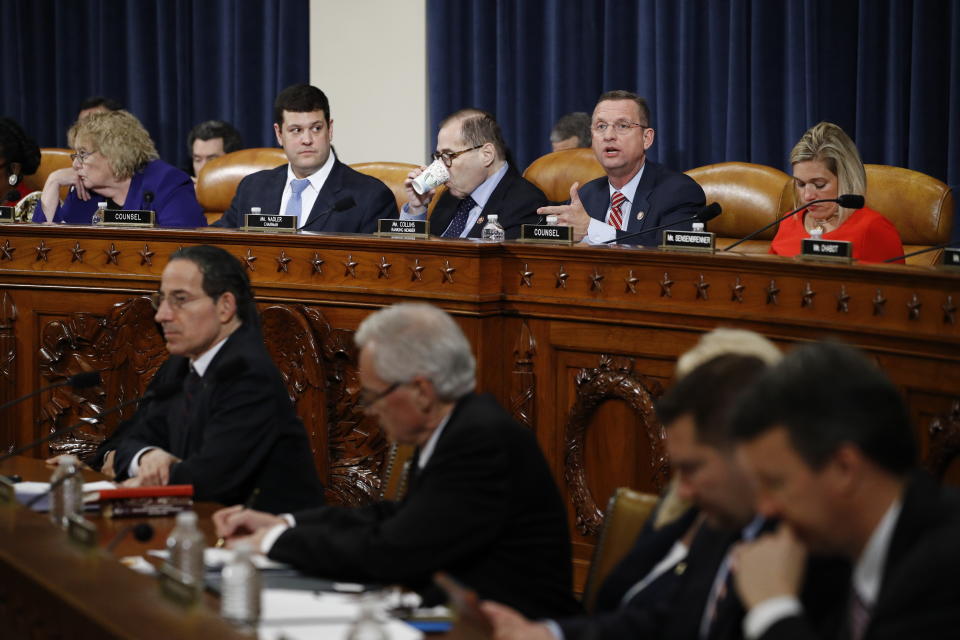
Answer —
(125, 345)
(523, 382)
(8, 361)
(944, 441)
(611, 379)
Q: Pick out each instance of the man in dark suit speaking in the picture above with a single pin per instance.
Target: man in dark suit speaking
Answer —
(636, 193)
(482, 181)
(481, 502)
(324, 193)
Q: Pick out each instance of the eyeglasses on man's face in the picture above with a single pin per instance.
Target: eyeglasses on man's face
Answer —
(449, 156)
(369, 398)
(619, 127)
(176, 300)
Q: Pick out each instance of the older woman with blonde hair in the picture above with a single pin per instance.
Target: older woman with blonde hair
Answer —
(116, 162)
(826, 164)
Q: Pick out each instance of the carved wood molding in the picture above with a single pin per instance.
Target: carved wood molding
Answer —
(944, 433)
(523, 382)
(8, 362)
(613, 378)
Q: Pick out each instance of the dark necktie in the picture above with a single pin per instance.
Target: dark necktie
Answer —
(192, 385)
(459, 222)
(859, 615)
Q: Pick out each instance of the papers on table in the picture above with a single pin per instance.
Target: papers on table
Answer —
(26, 491)
(309, 615)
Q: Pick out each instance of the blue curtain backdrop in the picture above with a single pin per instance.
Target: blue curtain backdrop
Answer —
(726, 79)
(172, 63)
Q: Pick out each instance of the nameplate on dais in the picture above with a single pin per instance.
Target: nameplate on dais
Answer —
(270, 223)
(393, 228)
(951, 258)
(546, 234)
(829, 250)
(6, 214)
(128, 218)
(701, 241)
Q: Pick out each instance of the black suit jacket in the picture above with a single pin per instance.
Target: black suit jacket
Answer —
(515, 200)
(241, 434)
(919, 594)
(484, 508)
(663, 196)
(264, 189)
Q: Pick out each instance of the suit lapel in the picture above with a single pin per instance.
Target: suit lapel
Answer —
(641, 199)
(443, 213)
(326, 198)
(597, 201)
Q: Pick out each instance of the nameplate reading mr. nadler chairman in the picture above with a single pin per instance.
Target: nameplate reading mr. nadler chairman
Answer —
(688, 240)
(830, 250)
(549, 234)
(128, 218)
(273, 223)
(403, 228)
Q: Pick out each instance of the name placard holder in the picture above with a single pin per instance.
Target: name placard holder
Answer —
(6, 214)
(951, 258)
(82, 532)
(546, 234)
(394, 228)
(270, 223)
(697, 241)
(178, 587)
(8, 493)
(827, 250)
(129, 218)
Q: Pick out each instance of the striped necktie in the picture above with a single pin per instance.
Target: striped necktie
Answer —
(616, 212)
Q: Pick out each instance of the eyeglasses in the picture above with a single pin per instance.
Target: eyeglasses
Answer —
(81, 156)
(369, 398)
(618, 127)
(449, 156)
(176, 301)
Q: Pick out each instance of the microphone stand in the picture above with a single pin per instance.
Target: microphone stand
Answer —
(922, 251)
(778, 221)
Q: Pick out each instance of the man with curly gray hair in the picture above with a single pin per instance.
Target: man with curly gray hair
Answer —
(481, 503)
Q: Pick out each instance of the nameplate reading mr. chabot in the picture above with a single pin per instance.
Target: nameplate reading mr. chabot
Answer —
(830, 250)
(128, 218)
(272, 223)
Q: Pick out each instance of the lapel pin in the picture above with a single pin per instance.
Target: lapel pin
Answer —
(640, 215)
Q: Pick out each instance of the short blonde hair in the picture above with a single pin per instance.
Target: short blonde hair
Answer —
(725, 341)
(119, 137)
(829, 144)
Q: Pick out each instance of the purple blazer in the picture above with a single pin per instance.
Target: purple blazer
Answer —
(174, 199)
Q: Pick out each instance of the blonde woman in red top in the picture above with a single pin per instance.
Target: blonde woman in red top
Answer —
(826, 164)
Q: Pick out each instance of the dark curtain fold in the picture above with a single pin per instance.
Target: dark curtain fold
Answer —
(172, 63)
(726, 79)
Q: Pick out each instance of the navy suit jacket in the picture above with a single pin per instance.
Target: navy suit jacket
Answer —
(264, 189)
(515, 200)
(663, 196)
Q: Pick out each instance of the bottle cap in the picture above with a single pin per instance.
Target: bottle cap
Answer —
(187, 517)
(698, 226)
(255, 210)
(493, 217)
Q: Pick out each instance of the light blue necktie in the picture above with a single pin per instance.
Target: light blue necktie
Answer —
(295, 204)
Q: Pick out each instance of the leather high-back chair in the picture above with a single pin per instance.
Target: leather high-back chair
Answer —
(218, 180)
(751, 195)
(394, 480)
(391, 174)
(626, 514)
(51, 159)
(556, 171)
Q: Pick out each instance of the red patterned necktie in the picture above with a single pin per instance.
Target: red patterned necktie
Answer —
(616, 214)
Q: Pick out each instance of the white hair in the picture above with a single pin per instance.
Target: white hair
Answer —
(723, 341)
(415, 339)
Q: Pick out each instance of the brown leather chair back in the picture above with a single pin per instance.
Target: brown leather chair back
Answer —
(627, 512)
(751, 195)
(391, 174)
(919, 206)
(556, 171)
(51, 159)
(218, 180)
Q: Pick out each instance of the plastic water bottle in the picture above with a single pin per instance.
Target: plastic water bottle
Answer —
(240, 590)
(367, 626)
(98, 214)
(492, 231)
(254, 211)
(185, 545)
(66, 497)
(816, 233)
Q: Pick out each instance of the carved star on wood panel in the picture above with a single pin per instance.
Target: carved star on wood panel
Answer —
(843, 300)
(316, 262)
(665, 286)
(949, 311)
(879, 303)
(283, 262)
(42, 250)
(736, 291)
(113, 254)
(913, 308)
(808, 295)
(416, 271)
(77, 252)
(383, 268)
(146, 256)
(562, 276)
(703, 288)
(631, 281)
(250, 260)
(596, 280)
(6, 251)
(350, 266)
(772, 292)
(526, 276)
(448, 271)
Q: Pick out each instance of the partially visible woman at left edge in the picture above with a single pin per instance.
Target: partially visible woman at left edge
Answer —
(117, 163)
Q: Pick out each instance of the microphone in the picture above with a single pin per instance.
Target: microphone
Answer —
(847, 201)
(148, 197)
(342, 204)
(81, 380)
(12, 196)
(705, 214)
(922, 251)
(142, 532)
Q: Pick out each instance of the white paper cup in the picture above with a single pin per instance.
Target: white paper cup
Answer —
(431, 178)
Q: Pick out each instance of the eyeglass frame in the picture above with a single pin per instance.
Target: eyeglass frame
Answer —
(157, 298)
(618, 127)
(81, 156)
(449, 156)
(368, 402)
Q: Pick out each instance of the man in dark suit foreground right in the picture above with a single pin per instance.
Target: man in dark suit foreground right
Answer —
(481, 503)
(829, 441)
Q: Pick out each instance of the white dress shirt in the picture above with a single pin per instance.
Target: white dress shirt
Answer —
(600, 232)
(309, 195)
